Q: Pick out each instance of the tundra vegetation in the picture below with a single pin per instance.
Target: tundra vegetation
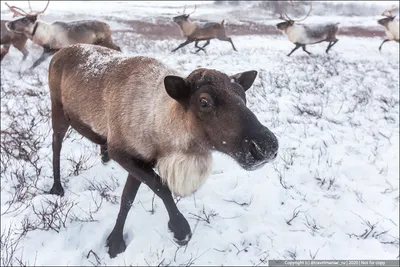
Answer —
(331, 193)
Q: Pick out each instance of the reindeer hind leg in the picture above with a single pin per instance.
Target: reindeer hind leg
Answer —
(304, 49)
(60, 125)
(227, 39)
(104, 154)
(201, 48)
(331, 43)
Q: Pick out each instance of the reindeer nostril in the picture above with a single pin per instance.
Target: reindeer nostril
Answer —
(275, 155)
(255, 151)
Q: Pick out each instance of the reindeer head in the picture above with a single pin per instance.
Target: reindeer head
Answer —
(388, 16)
(183, 16)
(216, 105)
(288, 22)
(26, 23)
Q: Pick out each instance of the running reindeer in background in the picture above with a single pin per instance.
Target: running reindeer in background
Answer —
(8, 39)
(52, 37)
(195, 32)
(302, 35)
(391, 26)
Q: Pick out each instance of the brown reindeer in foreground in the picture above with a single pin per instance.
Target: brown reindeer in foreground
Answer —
(151, 118)
(8, 39)
(391, 26)
(52, 37)
(195, 32)
(302, 35)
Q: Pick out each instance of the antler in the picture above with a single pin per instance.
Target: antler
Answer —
(40, 12)
(308, 14)
(23, 13)
(30, 7)
(283, 18)
(289, 18)
(14, 10)
(193, 10)
(388, 12)
(184, 9)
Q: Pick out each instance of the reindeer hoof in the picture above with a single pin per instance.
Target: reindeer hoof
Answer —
(115, 244)
(104, 157)
(181, 230)
(57, 189)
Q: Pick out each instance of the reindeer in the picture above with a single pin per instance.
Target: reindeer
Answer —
(8, 39)
(200, 32)
(52, 37)
(391, 26)
(151, 118)
(302, 35)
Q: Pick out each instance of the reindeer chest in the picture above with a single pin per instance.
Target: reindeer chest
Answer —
(188, 29)
(392, 32)
(295, 34)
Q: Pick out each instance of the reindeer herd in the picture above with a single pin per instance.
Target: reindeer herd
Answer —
(158, 125)
(53, 37)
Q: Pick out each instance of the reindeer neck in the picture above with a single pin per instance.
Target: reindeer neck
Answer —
(187, 28)
(41, 32)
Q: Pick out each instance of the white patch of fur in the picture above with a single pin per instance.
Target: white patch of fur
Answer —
(392, 31)
(188, 28)
(296, 34)
(43, 34)
(184, 173)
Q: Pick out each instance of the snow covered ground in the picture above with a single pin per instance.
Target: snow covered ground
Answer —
(333, 192)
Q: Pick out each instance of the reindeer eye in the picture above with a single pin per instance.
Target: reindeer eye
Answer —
(204, 103)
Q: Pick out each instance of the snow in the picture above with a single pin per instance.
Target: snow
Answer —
(93, 67)
(336, 117)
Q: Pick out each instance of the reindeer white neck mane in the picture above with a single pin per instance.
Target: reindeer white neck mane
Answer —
(43, 33)
(184, 173)
(187, 28)
(184, 170)
(295, 32)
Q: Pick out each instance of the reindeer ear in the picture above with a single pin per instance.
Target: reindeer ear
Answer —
(245, 79)
(177, 87)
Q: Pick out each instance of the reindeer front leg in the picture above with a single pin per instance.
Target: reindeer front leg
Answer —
(384, 41)
(145, 174)
(115, 241)
(47, 52)
(294, 49)
(188, 41)
(202, 48)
